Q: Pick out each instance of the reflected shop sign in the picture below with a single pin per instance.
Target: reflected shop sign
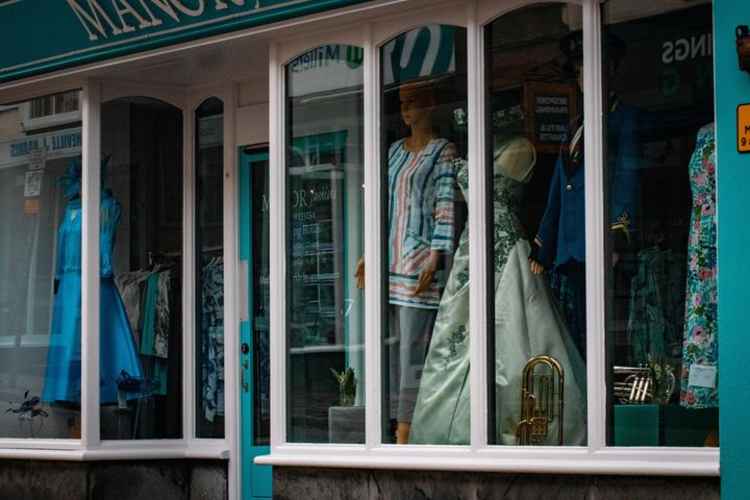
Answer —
(36, 149)
(77, 32)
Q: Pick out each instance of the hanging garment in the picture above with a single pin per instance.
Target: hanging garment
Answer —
(421, 190)
(155, 324)
(560, 243)
(132, 287)
(527, 324)
(656, 315)
(62, 381)
(212, 338)
(700, 350)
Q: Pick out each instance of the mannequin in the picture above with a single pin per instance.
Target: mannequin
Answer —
(420, 226)
(559, 245)
(62, 381)
(527, 324)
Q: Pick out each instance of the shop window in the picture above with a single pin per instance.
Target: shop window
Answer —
(324, 211)
(535, 206)
(141, 332)
(425, 340)
(662, 330)
(209, 235)
(40, 284)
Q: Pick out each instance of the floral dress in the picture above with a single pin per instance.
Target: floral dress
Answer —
(700, 350)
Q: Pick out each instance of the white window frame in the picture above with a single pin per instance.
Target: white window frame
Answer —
(90, 446)
(596, 456)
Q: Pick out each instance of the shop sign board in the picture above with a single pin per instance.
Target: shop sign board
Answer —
(50, 35)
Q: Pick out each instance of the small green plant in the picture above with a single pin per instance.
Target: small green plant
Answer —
(347, 386)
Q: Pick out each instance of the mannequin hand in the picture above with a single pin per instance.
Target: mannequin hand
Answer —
(359, 272)
(536, 266)
(428, 272)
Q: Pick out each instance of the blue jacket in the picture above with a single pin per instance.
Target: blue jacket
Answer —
(562, 232)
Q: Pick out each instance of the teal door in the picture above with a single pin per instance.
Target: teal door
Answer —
(254, 383)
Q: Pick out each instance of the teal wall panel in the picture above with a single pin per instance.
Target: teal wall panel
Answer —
(39, 36)
(732, 89)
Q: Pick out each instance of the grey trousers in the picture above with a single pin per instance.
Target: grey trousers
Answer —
(410, 331)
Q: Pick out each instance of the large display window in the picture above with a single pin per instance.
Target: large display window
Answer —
(536, 205)
(141, 266)
(324, 149)
(500, 146)
(661, 288)
(40, 279)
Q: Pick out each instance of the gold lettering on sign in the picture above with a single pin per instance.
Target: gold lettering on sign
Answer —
(123, 8)
(90, 19)
(134, 15)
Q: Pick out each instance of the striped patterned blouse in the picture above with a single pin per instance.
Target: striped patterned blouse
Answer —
(421, 190)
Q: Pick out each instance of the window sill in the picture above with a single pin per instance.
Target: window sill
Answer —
(116, 451)
(617, 461)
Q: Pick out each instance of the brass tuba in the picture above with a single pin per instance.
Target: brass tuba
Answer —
(542, 400)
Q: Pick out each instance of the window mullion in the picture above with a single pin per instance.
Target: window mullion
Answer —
(374, 310)
(278, 247)
(594, 201)
(477, 205)
(189, 301)
(90, 264)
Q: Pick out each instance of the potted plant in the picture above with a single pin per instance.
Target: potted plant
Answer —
(346, 422)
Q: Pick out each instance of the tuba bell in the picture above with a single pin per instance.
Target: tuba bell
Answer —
(542, 401)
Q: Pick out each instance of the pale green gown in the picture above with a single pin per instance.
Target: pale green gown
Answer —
(527, 323)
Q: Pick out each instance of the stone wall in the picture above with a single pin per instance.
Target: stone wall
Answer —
(292, 483)
(121, 480)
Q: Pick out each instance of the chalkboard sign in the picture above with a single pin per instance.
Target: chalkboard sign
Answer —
(551, 107)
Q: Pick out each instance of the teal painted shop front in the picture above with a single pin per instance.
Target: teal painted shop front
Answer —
(74, 40)
(732, 90)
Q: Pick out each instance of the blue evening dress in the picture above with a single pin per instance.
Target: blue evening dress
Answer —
(62, 381)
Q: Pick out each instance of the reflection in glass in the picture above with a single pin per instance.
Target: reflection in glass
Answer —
(40, 278)
(209, 271)
(324, 165)
(535, 177)
(662, 337)
(141, 287)
(425, 342)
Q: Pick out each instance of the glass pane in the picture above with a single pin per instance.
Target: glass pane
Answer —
(662, 337)
(141, 285)
(209, 238)
(324, 162)
(534, 63)
(40, 280)
(261, 303)
(424, 143)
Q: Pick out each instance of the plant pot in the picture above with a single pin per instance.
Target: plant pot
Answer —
(346, 424)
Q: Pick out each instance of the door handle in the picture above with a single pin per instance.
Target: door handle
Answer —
(245, 349)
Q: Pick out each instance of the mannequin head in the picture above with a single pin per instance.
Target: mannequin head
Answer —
(71, 180)
(417, 105)
(572, 49)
